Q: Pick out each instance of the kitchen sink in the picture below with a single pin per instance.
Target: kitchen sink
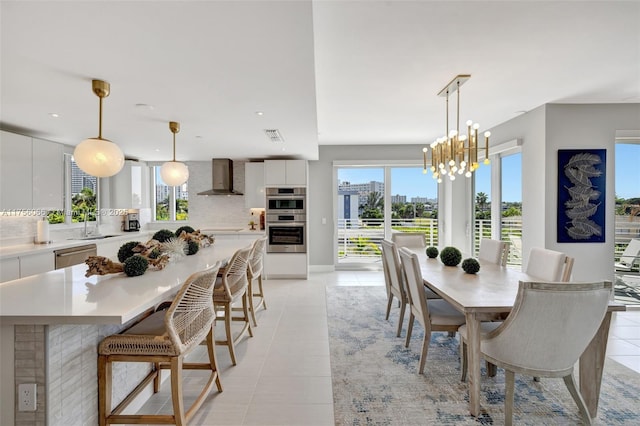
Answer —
(93, 237)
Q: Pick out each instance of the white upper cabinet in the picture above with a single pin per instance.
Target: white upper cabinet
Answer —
(127, 189)
(48, 175)
(285, 172)
(32, 173)
(254, 185)
(16, 183)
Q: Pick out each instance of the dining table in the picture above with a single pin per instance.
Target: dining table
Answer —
(493, 291)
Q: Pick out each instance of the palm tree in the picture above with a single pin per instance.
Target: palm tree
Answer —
(481, 200)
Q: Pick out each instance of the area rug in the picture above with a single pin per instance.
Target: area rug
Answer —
(375, 379)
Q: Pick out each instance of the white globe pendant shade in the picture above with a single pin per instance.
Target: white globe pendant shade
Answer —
(98, 157)
(174, 173)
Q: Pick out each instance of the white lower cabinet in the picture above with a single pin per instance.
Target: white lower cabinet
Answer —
(9, 269)
(36, 263)
(286, 265)
(24, 266)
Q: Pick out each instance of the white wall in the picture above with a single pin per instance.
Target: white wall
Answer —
(543, 132)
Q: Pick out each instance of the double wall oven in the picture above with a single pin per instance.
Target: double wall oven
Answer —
(286, 220)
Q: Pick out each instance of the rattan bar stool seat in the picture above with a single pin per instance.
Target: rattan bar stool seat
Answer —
(163, 339)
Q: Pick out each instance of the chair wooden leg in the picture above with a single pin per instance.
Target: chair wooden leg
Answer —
(509, 385)
(409, 329)
(577, 397)
(176, 391)
(389, 303)
(492, 369)
(425, 350)
(463, 361)
(403, 307)
(104, 389)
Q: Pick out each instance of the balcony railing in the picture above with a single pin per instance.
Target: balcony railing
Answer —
(359, 239)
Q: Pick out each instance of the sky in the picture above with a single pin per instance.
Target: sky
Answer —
(411, 182)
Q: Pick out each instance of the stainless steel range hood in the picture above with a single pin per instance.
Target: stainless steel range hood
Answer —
(222, 178)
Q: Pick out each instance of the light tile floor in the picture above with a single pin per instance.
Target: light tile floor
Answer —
(283, 376)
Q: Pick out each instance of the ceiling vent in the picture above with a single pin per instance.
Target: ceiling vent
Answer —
(273, 135)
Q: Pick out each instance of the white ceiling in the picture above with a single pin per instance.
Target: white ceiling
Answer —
(323, 72)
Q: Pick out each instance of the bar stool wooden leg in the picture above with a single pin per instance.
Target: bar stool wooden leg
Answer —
(227, 327)
(245, 308)
(261, 294)
(176, 391)
(251, 307)
(157, 381)
(213, 360)
(104, 389)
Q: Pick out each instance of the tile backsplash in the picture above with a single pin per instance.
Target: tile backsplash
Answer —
(215, 211)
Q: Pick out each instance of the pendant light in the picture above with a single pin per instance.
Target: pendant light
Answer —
(97, 156)
(174, 173)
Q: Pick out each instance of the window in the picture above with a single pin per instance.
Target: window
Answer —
(498, 210)
(81, 196)
(170, 203)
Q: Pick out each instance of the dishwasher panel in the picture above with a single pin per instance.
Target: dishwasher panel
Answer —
(74, 255)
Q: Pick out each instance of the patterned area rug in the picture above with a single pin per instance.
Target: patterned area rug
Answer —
(375, 379)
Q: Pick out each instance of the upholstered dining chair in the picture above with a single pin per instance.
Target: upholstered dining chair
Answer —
(393, 280)
(494, 251)
(433, 314)
(549, 265)
(254, 272)
(531, 342)
(231, 287)
(163, 339)
(413, 240)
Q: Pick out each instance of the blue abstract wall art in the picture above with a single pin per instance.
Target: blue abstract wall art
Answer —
(581, 195)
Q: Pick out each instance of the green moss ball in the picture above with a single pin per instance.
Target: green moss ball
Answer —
(432, 252)
(470, 266)
(187, 229)
(192, 248)
(155, 253)
(450, 256)
(126, 250)
(163, 235)
(135, 265)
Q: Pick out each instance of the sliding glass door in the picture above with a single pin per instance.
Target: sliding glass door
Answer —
(375, 202)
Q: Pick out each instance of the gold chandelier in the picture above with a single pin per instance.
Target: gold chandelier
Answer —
(455, 153)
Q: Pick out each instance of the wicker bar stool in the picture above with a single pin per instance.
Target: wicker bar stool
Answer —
(231, 286)
(254, 271)
(164, 338)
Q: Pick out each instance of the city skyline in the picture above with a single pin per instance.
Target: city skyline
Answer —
(411, 182)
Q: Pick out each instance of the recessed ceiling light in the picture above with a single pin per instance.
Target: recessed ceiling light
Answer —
(54, 115)
(259, 113)
(145, 106)
(157, 150)
(198, 137)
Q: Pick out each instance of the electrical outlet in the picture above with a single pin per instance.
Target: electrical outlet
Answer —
(27, 397)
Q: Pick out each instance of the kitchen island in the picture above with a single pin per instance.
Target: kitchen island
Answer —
(51, 324)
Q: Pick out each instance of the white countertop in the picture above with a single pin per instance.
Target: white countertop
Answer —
(11, 251)
(66, 296)
(32, 248)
